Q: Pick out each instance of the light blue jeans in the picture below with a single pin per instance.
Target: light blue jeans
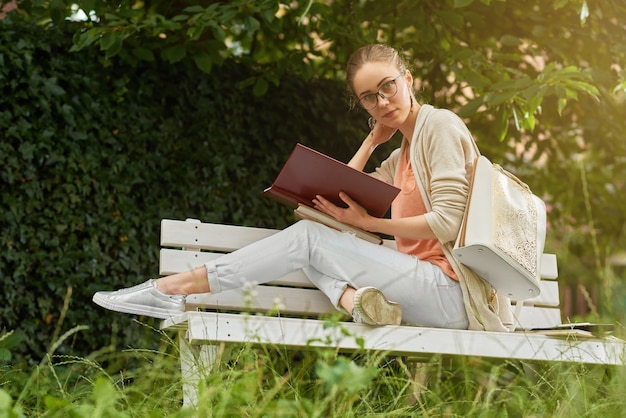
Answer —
(334, 260)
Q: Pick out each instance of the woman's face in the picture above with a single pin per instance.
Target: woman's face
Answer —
(379, 77)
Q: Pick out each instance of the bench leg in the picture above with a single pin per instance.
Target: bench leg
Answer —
(419, 372)
(195, 363)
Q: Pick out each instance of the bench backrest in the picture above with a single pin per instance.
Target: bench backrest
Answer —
(189, 244)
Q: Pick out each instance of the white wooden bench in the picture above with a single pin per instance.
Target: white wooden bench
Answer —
(189, 244)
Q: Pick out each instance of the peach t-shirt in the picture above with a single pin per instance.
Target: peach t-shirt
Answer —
(409, 203)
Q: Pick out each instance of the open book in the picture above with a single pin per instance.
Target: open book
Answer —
(307, 212)
(308, 173)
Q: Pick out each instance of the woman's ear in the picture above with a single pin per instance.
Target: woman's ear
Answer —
(409, 78)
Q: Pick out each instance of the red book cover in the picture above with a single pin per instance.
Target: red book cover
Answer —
(308, 173)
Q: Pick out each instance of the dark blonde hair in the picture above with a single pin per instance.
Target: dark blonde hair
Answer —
(371, 53)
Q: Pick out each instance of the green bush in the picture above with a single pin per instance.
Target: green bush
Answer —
(93, 155)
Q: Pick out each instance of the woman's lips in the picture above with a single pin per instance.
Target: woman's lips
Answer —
(389, 114)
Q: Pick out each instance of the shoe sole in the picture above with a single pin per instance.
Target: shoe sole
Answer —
(377, 309)
(129, 308)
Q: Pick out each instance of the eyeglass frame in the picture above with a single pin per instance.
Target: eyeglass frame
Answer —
(378, 93)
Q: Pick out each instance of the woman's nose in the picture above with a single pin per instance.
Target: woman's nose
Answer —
(382, 100)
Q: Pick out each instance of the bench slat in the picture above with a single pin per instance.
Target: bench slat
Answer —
(176, 261)
(215, 237)
(212, 328)
(549, 295)
(312, 302)
(549, 269)
(533, 318)
(261, 298)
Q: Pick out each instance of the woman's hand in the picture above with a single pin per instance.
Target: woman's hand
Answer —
(354, 214)
(380, 133)
(413, 227)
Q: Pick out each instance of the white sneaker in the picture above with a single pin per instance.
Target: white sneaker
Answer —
(371, 307)
(144, 299)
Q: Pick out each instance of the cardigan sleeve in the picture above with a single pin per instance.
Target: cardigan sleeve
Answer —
(447, 156)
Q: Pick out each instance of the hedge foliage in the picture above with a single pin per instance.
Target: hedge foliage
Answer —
(93, 156)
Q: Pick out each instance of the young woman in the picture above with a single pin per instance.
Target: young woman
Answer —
(420, 282)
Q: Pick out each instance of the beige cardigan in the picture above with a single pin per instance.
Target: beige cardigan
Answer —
(442, 154)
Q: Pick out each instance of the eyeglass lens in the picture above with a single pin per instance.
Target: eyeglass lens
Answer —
(386, 91)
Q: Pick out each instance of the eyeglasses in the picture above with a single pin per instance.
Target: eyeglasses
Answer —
(386, 91)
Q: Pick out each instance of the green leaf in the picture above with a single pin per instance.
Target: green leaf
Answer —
(252, 24)
(260, 87)
(174, 53)
(203, 62)
(571, 94)
(561, 105)
(55, 404)
(111, 43)
(52, 87)
(530, 121)
(345, 375)
(218, 32)
(621, 87)
(471, 107)
(11, 339)
(6, 406)
(496, 99)
(84, 39)
(516, 118)
(194, 9)
(583, 87)
(504, 85)
(180, 18)
(269, 15)
(502, 122)
(195, 31)
(5, 355)
(532, 92)
(534, 104)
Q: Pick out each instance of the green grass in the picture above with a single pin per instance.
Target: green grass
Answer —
(273, 382)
